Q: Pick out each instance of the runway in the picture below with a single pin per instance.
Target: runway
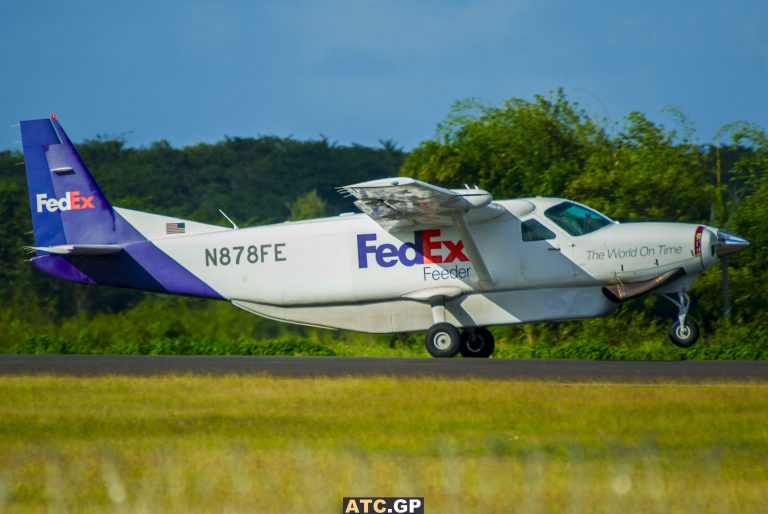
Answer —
(497, 369)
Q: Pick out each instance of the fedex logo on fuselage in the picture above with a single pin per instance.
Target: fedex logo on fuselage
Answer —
(71, 201)
(424, 250)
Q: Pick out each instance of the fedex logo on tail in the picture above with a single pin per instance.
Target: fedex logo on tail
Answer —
(427, 248)
(71, 201)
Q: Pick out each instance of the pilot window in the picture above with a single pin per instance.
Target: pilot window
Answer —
(535, 231)
(575, 219)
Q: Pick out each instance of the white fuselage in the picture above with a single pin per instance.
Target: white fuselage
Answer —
(349, 272)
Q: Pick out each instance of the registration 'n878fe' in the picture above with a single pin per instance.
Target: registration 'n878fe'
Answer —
(419, 257)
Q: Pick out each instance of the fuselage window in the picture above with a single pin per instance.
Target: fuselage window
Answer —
(575, 219)
(535, 231)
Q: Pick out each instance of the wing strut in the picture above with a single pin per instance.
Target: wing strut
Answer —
(486, 279)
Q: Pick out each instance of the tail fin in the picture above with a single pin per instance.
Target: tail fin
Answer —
(79, 236)
(67, 205)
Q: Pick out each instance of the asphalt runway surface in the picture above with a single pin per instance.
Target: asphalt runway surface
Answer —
(503, 369)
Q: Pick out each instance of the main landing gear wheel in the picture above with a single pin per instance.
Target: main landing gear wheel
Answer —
(683, 332)
(684, 335)
(442, 340)
(477, 342)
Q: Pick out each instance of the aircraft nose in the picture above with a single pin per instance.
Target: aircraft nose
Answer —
(728, 243)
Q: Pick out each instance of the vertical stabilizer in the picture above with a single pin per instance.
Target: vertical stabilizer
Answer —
(67, 205)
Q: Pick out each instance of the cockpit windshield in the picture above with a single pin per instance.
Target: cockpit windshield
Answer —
(575, 219)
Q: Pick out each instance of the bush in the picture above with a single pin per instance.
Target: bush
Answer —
(42, 344)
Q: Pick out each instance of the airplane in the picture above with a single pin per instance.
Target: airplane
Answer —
(419, 257)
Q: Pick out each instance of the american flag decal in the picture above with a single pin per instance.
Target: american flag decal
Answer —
(175, 228)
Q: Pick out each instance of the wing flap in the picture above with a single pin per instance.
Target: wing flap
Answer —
(404, 202)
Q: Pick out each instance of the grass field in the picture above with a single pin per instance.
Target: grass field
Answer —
(265, 445)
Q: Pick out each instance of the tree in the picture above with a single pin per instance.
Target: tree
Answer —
(520, 148)
(644, 174)
(306, 206)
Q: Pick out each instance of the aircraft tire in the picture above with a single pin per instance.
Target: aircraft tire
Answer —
(442, 340)
(685, 336)
(477, 342)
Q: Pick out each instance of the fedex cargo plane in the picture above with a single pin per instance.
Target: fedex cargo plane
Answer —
(419, 257)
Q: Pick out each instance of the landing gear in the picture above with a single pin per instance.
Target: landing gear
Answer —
(477, 342)
(684, 335)
(683, 332)
(442, 340)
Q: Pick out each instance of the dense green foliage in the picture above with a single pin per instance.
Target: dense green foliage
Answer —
(632, 170)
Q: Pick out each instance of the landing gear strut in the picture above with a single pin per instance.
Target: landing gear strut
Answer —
(683, 332)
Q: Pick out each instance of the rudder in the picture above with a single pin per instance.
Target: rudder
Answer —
(67, 205)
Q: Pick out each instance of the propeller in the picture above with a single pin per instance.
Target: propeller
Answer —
(728, 243)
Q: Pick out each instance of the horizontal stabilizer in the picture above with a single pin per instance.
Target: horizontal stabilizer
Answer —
(77, 249)
(620, 292)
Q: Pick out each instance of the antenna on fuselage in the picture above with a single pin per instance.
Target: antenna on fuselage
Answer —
(234, 225)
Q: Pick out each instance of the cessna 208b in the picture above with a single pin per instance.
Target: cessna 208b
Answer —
(419, 258)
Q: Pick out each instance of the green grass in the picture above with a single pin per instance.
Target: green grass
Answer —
(257, 444)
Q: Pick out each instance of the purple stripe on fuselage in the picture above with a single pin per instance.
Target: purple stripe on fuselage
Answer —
(141, 266)
(171, 275)
(174, 277)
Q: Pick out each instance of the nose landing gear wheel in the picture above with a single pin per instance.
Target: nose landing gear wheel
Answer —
(683, 332)
(442, 340)
(477, 342)
(684, 335)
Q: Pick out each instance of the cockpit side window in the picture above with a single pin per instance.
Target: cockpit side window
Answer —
(575, 219)
(535, 231)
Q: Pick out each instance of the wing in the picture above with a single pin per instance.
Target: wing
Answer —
(403, 202)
